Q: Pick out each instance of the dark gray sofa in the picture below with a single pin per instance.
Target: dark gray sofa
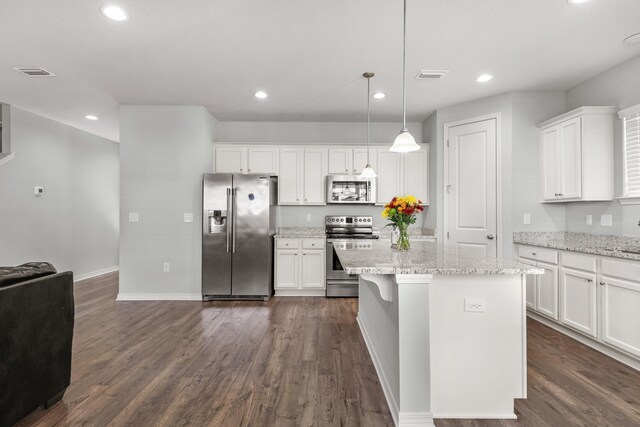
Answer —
(36, 332)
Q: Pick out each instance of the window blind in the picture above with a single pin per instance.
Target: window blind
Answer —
(632, 155)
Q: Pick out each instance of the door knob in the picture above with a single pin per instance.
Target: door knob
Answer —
(490, 236)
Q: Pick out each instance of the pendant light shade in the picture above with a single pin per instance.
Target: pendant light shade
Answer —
(368, 171)
(404, 142)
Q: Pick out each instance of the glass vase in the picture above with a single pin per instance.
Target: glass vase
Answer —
(394, 237)
(403, 237)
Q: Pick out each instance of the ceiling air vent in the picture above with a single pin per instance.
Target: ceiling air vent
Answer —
(34, 71)
(431, 74)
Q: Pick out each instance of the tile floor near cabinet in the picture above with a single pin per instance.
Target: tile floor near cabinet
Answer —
(288, 362)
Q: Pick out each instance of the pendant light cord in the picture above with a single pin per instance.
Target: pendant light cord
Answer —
(404, 65)
(368, 114)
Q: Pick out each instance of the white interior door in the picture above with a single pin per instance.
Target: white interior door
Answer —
(471, 190)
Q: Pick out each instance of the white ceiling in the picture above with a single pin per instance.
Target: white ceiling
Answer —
(309, 55)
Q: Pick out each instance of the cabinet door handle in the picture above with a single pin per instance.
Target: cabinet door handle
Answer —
(240, 169)
(534, 254)
(248, 170)
(602, 283)
(589, 280)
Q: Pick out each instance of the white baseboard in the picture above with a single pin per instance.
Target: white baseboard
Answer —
(507, 416)
(7, 158)
(159, 297)
(300, 293)
(386, 388)
(86, 276)
(589, 342)
(415, 419)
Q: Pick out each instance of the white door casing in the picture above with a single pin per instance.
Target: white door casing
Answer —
(471, 191)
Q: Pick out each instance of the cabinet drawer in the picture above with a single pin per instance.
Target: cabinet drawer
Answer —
(313, 243)
(578, 261)
(287, 243)
(629, 270)
(538, 254)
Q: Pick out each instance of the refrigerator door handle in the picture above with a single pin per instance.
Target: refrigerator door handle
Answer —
(234, 202)
(229, 218)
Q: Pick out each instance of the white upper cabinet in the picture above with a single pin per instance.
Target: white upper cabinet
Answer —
(341, 161)
(230, 159)
(577, 155)
(400, 174)
(389, 176)
(360, 159)
(262, 160)
(245, 159)
(416, 174)
(315, 172)
(290, 177)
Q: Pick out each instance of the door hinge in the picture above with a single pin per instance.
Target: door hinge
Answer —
(447, 142)
(447, 234)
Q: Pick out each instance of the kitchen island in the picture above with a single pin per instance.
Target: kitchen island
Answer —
(445, 328)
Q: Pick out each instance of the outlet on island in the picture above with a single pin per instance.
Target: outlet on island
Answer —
(477, 305)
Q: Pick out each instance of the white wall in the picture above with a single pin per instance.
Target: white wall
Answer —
(75, 224)
(619, 86)
(312, 132)
(430, 134)
(164, 150)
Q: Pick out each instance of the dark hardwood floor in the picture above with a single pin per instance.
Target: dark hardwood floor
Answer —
(289, 362)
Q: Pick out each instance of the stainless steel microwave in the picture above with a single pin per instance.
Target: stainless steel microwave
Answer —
(351, 189)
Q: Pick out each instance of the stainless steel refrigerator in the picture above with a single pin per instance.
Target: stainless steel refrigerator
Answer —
(237, 236)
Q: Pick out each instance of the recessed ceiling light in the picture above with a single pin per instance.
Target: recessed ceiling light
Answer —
(483, 78)
(379, 95)
(260, 94)
(632, 39)
(114, 12)
(91, 117)
(576, 1)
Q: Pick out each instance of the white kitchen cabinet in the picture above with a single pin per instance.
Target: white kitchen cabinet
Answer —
(246, 159)
(621, 314)
(229, 159)
(290, 185)
(314, 176)
(287, 269)
(577, 155)
(313, 269)
(300, 267)
(360, 159)
(262, 160)
(578, 296)
(400, 174)
(389, 182)
(341, 161)
(547, 291)
(542, 289)
(531, 290)
(416, 174)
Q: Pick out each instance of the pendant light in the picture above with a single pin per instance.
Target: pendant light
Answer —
(404, 142)
(368, 171)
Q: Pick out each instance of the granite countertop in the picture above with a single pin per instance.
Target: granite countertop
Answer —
(424, 257)
(300, 233)
(596, 244)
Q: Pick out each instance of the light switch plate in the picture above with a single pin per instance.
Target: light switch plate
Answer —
(166, 267)
(606, 220)
(588, 220)
(526, 218)
(133, 217)
(188, 217)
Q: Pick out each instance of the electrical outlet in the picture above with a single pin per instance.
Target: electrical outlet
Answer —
(133, 217)
(526, 218)
(606, 220)
(588, 220)
(188, 217)
(38, 191)
(478, 305)
(165, 267)
(308, 217)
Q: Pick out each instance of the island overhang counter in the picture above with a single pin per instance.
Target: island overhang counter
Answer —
(445, 328)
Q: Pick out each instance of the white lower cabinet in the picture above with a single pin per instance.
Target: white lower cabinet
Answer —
(299, 267)
(597, 296)
(578, 295)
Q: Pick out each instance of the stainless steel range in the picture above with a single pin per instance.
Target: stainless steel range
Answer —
(354, 232)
